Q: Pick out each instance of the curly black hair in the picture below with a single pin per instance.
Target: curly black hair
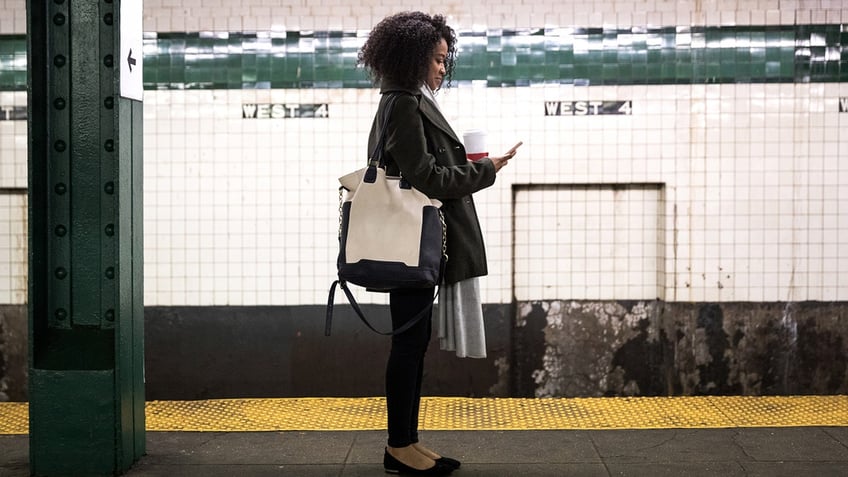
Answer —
(399, 49)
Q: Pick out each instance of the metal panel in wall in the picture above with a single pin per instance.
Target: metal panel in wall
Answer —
(588, 242)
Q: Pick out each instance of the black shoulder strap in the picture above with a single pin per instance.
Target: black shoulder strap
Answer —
(376, 158)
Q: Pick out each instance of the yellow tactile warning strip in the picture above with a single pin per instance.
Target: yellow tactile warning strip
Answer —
(438, 413)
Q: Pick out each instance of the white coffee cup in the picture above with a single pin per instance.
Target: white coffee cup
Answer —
(475, 144)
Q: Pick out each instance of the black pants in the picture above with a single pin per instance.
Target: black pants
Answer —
(406, 363)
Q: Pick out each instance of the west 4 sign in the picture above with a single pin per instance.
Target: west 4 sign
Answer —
(587, 108)
(13, 113)
(284, 110)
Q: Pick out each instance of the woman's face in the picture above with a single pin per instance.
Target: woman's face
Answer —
(437, 65)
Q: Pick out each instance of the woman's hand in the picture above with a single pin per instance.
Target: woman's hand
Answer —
(500, 161)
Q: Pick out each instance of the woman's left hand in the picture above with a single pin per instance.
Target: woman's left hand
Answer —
(500, 161)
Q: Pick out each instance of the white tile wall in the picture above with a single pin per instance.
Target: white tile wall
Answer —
(13, 210)
(748, 210)
(13, 143)
(244, 212)
(253, 15)
(13, 248)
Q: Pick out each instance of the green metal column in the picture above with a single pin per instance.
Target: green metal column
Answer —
(85, 244)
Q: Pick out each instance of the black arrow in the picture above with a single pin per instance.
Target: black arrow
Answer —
(130, 60)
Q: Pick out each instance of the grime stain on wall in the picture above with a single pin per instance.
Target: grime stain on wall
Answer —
(653, 348)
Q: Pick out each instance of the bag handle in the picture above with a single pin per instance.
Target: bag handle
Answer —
(328, 323)
(377, 156)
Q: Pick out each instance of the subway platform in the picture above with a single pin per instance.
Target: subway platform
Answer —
(680, 436)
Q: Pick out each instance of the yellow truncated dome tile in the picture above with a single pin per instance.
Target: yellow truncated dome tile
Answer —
(447, 413)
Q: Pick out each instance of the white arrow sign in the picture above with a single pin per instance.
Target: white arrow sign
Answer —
(132, 81)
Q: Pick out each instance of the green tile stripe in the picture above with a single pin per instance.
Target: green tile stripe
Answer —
(583, 56)
(13, 62)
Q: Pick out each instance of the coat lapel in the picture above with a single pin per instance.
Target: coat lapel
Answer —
(431, 112)
(427, 108)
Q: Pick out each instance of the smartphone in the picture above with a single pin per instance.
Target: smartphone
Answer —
(515, 148)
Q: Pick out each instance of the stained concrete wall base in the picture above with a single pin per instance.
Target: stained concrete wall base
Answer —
(556, 348)
(619, 348)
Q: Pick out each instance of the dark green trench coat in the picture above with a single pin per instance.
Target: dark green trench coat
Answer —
(422, 147)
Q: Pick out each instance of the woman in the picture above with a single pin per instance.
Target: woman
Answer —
(410, 54)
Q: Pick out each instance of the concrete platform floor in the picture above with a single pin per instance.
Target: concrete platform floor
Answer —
(729, 452)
